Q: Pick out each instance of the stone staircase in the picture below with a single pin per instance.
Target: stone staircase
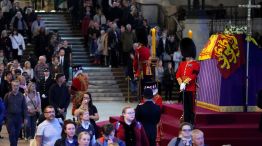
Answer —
(62, 23)
(104, 84)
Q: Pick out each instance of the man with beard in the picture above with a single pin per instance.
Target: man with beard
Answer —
(49, 130)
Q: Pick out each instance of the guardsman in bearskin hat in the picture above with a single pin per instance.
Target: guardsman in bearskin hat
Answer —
(186, 76)
(141, 62)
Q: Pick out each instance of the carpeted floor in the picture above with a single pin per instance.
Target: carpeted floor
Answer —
(237, 129)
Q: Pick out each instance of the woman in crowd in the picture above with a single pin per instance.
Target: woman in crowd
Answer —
(87, 105)
(18, 45)
(83, 139)
(159, 75)
(168, 80)
(33, 103)
(27, 68)
(68, 135)
(5, 44)
(184, 138)
(23, 85)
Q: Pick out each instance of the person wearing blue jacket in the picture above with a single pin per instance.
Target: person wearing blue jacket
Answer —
(2, 115)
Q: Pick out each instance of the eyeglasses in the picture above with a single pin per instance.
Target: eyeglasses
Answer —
(130, 113)
(186, 130)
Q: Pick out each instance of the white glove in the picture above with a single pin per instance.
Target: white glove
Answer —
(43, 96)
(183, 87)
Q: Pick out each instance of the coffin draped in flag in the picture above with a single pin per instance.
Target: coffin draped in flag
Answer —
(222, 75)
(227, 50)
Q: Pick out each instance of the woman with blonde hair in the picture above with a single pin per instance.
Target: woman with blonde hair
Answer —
(87, 105)
(27, 68)
(83, 139)
(23, 85)
(33, 103)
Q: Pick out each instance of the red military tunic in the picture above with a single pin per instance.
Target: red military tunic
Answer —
(187, 71)
(142, 55)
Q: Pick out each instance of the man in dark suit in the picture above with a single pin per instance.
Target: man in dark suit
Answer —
(43, 87)
(163, 45)
(149, 115)
(64, 61)
(59, 96)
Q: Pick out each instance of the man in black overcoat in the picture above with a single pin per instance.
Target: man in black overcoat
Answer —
(149, 114)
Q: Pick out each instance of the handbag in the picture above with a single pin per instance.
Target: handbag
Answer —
(37, 114)
(19, 46)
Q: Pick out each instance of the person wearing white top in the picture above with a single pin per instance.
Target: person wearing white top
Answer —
(100, 17)
(18, 45)
(6, 5)
(49, 130)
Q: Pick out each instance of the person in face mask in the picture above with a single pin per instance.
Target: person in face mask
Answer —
(108, 137)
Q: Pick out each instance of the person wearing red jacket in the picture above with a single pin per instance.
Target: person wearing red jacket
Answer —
(130, 130)
(141, 59)
(186, 76)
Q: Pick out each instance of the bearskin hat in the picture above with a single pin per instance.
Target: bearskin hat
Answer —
(188, 48)
(141, 35)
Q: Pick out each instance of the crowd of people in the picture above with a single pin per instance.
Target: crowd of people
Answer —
(33, 90)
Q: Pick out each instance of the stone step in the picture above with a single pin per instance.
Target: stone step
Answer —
(58, 28)
(108, 98)
(83, 57)
(73, 38)
(95, 94)
(92, 78)
(74, 41)
(80, 53)
(69, 31)
(97, 69)
(100, 74)
(82, 64)
(60, 24)
(70, 34)
(103, 82)
(77, 45)
(110, 90)
(75, 48)
(102, 86)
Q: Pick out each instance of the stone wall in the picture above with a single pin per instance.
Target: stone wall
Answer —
(200, 31)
